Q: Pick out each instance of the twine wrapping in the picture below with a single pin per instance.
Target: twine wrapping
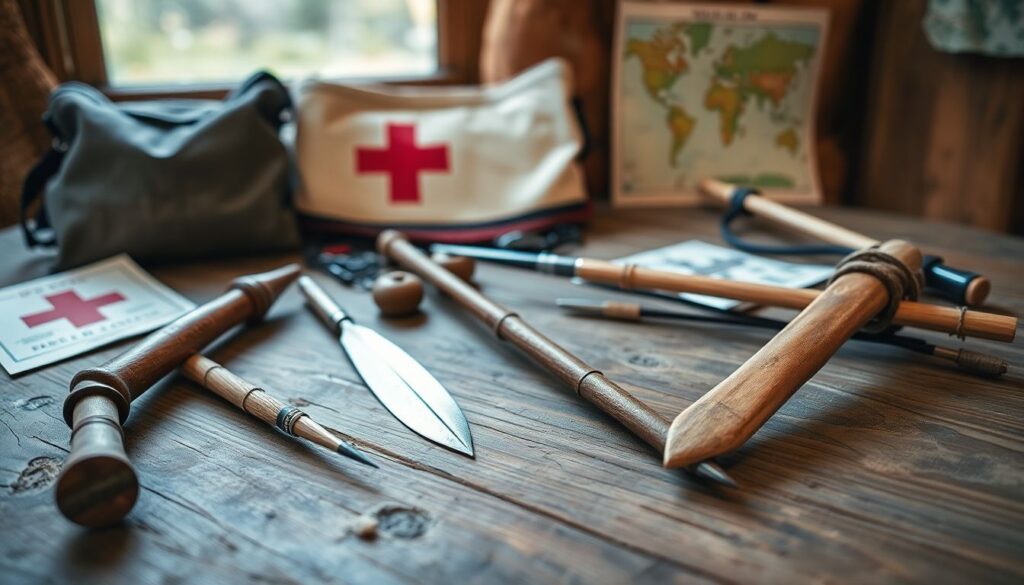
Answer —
(899, 280)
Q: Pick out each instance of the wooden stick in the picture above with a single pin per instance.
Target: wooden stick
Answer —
(98, 486)
(976, 363)
(587, 382)
(729, 414)
(954, 321)
(787, 217)
(950, 320)
(255, 401)
(808, 225)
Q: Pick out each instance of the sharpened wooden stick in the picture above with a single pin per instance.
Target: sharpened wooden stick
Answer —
(255, 401)
(731, 412)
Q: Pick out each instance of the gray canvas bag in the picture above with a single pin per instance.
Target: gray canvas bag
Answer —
(163, 180)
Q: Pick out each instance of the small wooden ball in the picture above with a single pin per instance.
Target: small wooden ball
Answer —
(397, 293)
(460, 266)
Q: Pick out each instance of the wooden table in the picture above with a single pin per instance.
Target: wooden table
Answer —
(886, 467)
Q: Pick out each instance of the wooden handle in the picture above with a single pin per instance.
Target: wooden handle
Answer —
(97, 485)
(572, 371)
(222, 382)
(101, 397)
(260, 404)
(925, 316)
(729, 414)
(133, 372)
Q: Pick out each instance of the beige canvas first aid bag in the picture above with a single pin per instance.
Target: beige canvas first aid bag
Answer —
(442, 164)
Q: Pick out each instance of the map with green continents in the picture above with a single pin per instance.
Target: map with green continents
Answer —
(715, 91)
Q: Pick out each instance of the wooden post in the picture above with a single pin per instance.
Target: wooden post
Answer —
(98, 486)
(729, 414)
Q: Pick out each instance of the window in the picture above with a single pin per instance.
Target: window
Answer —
(148, 42)
(155, 48)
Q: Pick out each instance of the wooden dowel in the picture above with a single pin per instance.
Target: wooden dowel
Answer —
(804, 223)
(731, 412)
(244, 395)
(97, 485)
(787, 217)
(925, 316)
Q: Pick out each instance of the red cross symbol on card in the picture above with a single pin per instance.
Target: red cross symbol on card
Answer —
(403, 161)
(68, 305)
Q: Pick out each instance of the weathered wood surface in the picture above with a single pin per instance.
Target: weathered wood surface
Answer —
(885, 467)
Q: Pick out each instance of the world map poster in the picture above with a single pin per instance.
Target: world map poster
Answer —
(715, 91)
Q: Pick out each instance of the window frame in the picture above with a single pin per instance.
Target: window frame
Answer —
(68, 35)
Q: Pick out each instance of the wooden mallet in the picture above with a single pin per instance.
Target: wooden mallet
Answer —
(98, 486)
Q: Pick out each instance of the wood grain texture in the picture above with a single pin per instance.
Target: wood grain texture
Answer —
(97, 485)
(884, 469)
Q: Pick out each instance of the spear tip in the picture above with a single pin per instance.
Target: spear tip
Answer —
(711, 471)
(352, 453)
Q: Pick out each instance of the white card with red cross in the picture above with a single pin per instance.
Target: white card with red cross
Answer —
(49, 319)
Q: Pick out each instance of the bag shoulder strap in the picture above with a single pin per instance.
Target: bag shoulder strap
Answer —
(37, 231)
(735, 210)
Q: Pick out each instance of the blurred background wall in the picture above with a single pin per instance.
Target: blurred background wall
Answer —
(902, 126)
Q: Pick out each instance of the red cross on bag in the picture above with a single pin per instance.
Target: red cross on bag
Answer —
(402, 160)
(442, 164)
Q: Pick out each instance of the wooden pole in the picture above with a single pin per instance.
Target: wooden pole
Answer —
(98, 486)
(587, 382)
(950, 320)
(817, 228)
(729, 414)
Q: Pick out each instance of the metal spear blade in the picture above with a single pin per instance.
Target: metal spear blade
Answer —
(406, 389)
